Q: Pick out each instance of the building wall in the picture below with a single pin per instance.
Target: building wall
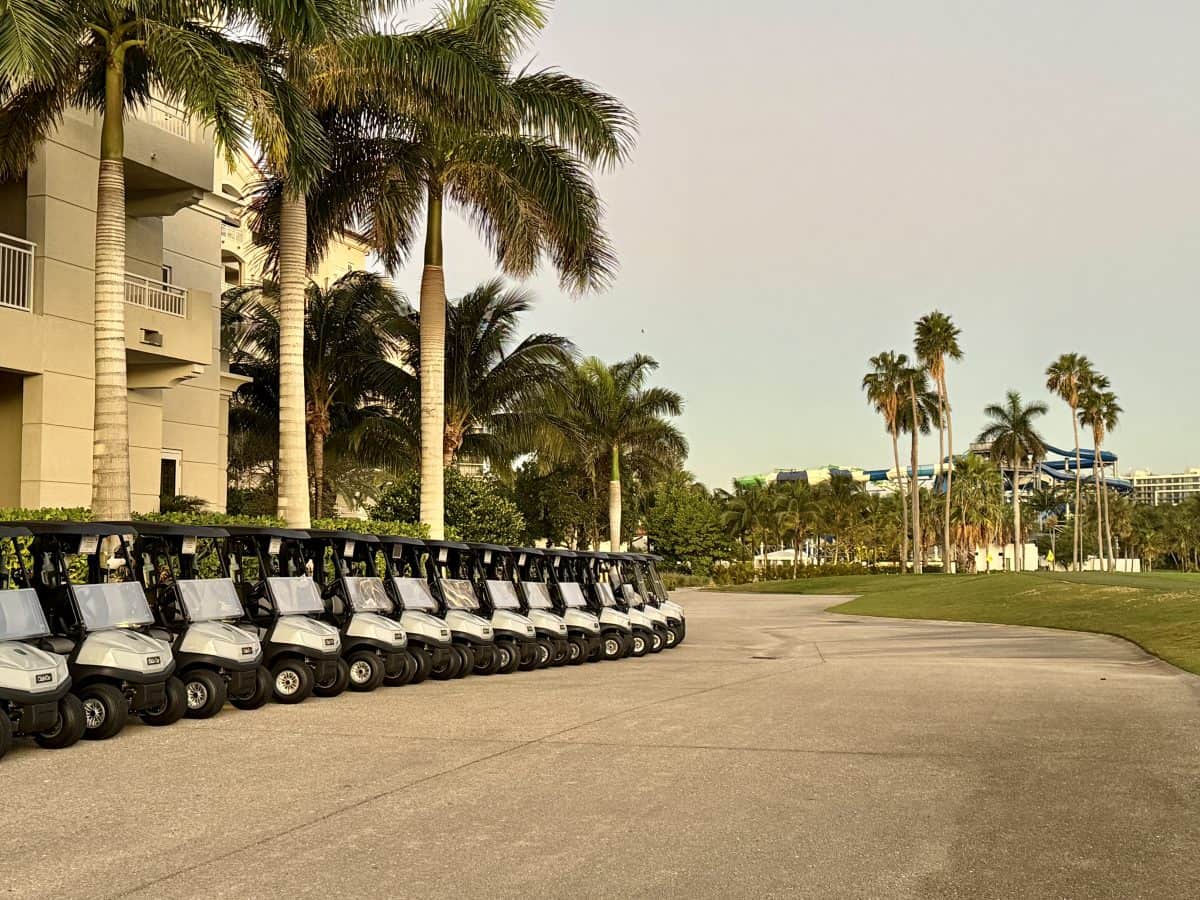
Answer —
(175, 396)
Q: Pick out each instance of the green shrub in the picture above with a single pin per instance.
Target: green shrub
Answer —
(46, 514)
(373, 526)
(675, 580)
(477, 509)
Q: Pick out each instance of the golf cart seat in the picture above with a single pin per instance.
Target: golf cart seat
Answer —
(58, 644)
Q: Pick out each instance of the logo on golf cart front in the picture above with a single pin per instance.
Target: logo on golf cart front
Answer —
(45, 678)
(329, 642)
(247, 650)
(153, 660)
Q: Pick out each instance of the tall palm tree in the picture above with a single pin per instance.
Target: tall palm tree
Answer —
(799, 515)
(112, 57)
(355, 80)
(522, 177)
(1066, 377)
(979, 509)
(935, 342)
(1014, 437)
(918, 415)
(495, 384)
(607, 415)
(749, 511)
(1099, 409)
(353, 330)
(886, 386)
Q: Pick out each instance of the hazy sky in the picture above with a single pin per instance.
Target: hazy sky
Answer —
(811, 177)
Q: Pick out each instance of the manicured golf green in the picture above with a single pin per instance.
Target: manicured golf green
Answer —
(1159, 611)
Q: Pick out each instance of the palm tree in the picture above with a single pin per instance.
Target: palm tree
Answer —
(1014, 438)
(1098, 408)
(979, 509)
(352, 331)
(918, 414)
(751, 510)
(1066, 377)
(606, 415)
(354, 80)
(112, 57)
(936, 341)
(522, 178)
(495, 385)
(885, 385)
(799, 515)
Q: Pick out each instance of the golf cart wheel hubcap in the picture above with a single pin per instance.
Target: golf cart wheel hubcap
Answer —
(197, 695)
(287, 682)
(505, 656)
(94, 713)
(611, 647)
(574, 651)
(639, 644)
(360, 672)
(543, 654)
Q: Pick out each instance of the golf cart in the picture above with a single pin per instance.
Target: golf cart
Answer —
(576, 583)
(658, 597)
(374, 644)
(502, 599)
(604, 583)
(541, 600)
(277, 591)
(98, 616)
(197, 612)
(631, 590)
(35, 686)
(438, 653)
(452, 568)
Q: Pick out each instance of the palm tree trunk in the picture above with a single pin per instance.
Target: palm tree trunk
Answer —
(293, 272)
(433, 372)
(110, 438)
(914, 486)
(903, 504)
(1099, 505)
(1077, 545)
(1112, 557)
(318, 472)
(614, 502)
(1018, 548)
(948, 564)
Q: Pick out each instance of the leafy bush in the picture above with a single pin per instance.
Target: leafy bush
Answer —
(373, 526)
(46, 514)
(477, 509)
(675, 580)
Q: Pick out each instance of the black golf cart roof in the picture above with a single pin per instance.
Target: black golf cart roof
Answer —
(256, 531)
(495, 548)
(11, 531)
(453, 545)
(171, 529)
(400, 539)
(531, 551)
(325, 534)
(561, 552)
(76, 528)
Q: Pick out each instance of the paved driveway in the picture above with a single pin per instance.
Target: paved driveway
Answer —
(782, 751)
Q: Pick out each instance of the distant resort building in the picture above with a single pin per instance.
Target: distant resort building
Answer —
(1164, 490)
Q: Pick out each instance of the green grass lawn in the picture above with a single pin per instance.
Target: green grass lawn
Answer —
(1160, 611)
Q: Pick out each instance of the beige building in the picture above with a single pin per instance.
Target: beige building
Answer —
(178, 393)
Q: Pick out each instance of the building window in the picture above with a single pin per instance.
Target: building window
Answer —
(168, 480)
(168, 275)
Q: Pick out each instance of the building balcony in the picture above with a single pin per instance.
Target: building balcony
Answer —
(163, 115)
(156, 295)
(16, 272)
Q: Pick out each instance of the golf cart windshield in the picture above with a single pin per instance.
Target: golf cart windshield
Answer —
(606, 593)
(459, 593)
(210, 599)
(119, 604)
(296, 596)
(415, 593)
(538, 595)
(572, 594)
(21, 615)
(368, 595)
(503, 594)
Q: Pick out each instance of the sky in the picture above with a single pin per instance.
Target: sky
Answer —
(811, 177)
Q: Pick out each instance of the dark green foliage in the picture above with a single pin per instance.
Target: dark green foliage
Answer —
(477, 508)
(683, 524)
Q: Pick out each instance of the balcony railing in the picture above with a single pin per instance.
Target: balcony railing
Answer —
(16, 272)
(155, 295)
(167, 117)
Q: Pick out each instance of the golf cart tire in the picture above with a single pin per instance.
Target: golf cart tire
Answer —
(303, 674)
(451, 669)
(422, 662)
(641, 645)
(612, 646)
(215, 693)
(674, 636)
(658, 639)
(577, 650)
(530, 658)
(596, 650)
(466, 659)
(406, 675)
(173, 708)
(261, 693)
(373, 665)
(339, 683)
(547, 650)
(484, 659)
(6, 733)
(510, 657)
(70, 726)
(627, 641)
(560, 657)
(115, 710)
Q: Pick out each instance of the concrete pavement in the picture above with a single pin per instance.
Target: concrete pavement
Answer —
(781, 751)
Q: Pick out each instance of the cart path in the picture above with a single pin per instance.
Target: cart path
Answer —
(781, 751)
